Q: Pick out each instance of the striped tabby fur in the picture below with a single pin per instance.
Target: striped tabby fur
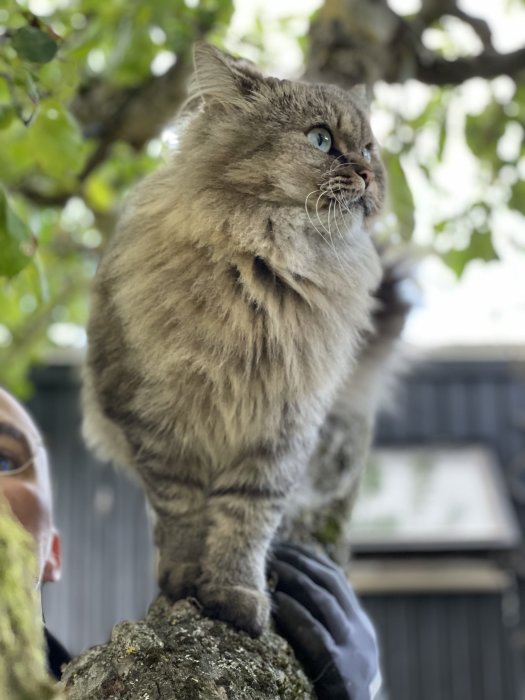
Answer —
(226, 313)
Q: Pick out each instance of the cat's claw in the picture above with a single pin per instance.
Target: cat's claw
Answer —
(246, 608)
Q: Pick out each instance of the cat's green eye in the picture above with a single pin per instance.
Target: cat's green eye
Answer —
(321, 138)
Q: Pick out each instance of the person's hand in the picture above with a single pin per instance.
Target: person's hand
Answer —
(316, 610)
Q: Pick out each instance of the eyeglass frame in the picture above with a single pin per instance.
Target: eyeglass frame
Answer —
(26, 464)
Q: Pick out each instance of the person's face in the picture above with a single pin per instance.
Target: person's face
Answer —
(28, 491)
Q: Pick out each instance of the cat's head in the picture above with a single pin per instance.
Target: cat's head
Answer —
(282, 141)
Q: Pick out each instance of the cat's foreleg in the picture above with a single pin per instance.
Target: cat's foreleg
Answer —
(180, 533)
(232, 585)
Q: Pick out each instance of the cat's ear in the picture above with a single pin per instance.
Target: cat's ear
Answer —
(223, 79)
(361, 95)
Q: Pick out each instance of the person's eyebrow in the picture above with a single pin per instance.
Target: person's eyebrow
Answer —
(13, 432)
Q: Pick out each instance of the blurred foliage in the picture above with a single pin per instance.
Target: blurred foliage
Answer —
(48, 251)
(23, 672)
(58, 200)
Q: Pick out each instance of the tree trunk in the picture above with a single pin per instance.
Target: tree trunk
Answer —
(178, 654)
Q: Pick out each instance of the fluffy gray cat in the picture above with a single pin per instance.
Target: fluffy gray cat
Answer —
(227, 312)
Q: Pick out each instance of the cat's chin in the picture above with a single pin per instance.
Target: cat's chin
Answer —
(364, 205)
(358, 200)
(370, 207)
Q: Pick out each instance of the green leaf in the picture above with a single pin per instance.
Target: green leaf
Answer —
(33, 44)
(100, 195)
(7, 113)
(443, 133)
(457, 260)
(480, 247)
(401, 199)
(16, 241)
(57, 142)
(441, 226)
(517, 196)
(483, 131)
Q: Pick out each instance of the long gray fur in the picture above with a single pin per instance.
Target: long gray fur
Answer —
(225, 315)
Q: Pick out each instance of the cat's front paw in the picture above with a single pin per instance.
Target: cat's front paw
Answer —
(179, 581)
(247, 609)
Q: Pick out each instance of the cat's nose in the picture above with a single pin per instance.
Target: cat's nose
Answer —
(366, 175)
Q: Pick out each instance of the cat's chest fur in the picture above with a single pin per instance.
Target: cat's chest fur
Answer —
(257, 319)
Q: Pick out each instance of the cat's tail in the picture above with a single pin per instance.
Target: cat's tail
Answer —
(383, 357)
(320, 511)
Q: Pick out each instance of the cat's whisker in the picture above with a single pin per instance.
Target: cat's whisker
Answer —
(331, 242)
(330, 234)
(341, 204)
(328, 231)
(317, 212)
(310, 218)
(330, 212)
(342, 155)
(306, 201)
(334, 198)
(335, 166)
(343, 209)
(344, 204)
(336, 203)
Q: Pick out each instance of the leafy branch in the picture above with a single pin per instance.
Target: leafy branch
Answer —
(355, 41)
(81, 107)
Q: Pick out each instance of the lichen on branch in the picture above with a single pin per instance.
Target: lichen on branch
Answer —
(23, 674)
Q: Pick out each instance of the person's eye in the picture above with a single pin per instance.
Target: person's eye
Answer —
(8, 463)
(321, 138)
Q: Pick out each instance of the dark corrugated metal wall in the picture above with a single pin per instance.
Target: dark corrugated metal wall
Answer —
(434, 647)
(445, 647)
(460, 402)
(455, 646)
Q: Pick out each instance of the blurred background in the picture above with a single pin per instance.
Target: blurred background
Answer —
(88, 89)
